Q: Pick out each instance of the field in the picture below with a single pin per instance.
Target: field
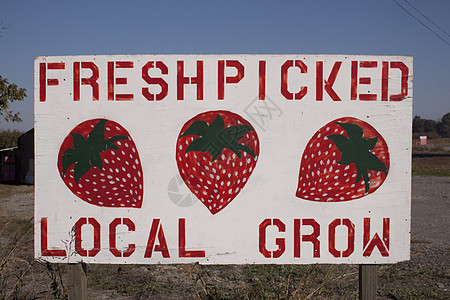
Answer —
(425, 276)
(432, 159)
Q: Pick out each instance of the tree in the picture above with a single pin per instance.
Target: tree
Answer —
(9, 138)
(10, 92)
(425, 127)
(432, 128)
(429, 125)
(417, 124)
(444, 126)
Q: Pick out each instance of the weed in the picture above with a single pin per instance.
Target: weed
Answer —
(57, 283)
(13, 269)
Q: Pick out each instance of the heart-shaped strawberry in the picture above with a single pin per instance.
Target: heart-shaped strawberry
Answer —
(346, 159)
(216, 153)
(99, 163)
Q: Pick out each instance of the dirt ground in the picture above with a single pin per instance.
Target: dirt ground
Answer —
(430, 210)
(425, 276)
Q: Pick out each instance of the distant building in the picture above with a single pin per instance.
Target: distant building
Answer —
(17, 163)
(8, 159)
(26, 158)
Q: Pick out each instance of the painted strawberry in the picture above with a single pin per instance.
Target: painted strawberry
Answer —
(346, 159)
(99, 163)
(216, 153)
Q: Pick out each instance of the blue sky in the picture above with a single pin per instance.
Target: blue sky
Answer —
(231, 27)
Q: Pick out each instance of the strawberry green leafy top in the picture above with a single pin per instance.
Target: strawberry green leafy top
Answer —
(356, 149)
(86, 152)
(215, 137)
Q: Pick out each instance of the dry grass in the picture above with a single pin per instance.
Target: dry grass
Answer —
(8, 190)
(431, 166)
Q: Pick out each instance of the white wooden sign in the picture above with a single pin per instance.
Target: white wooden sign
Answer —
(223, 159)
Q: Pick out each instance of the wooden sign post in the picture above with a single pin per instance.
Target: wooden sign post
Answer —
(368, 282)
(76, 281)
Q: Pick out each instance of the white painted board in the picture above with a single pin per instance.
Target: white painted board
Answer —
(223, 159)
